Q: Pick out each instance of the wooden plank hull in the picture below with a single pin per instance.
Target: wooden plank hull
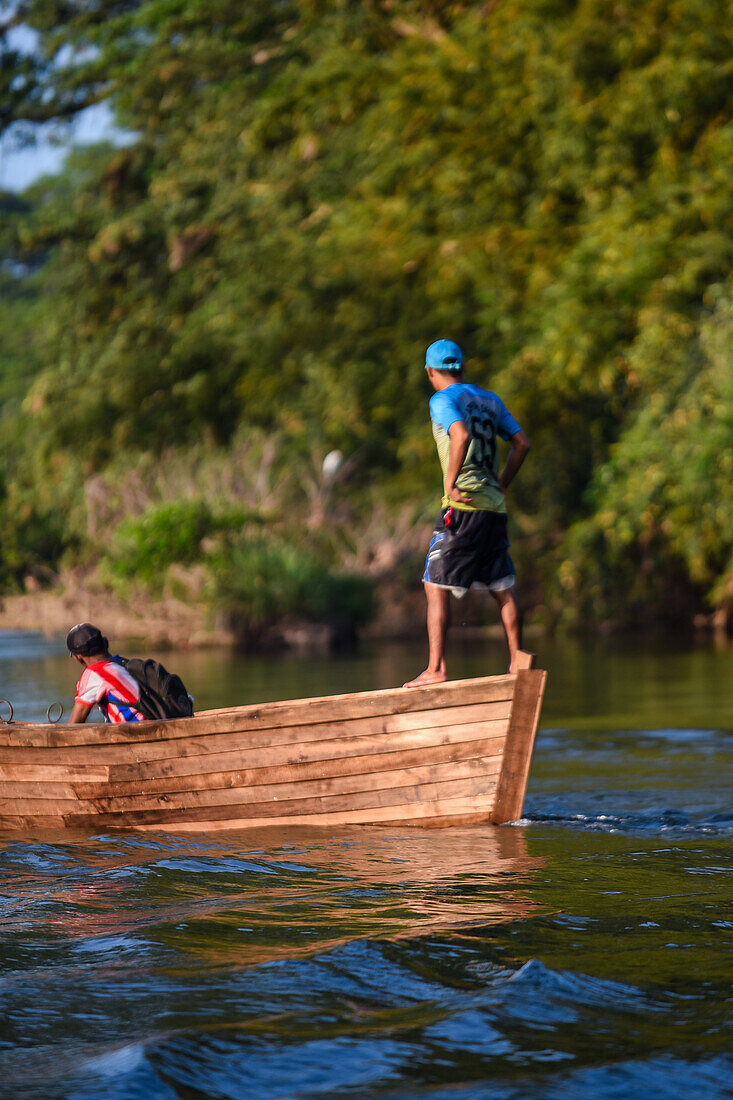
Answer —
(454, 753)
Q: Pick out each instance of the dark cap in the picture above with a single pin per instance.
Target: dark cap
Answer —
(84, 640)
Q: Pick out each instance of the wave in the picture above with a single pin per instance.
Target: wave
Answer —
(653, 822)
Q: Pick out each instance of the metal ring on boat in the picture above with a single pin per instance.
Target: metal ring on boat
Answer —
(53, 721)
(9, 705)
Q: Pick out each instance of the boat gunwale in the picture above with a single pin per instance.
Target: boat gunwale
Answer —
(416, 699)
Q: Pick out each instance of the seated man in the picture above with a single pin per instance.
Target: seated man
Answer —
(105, 682)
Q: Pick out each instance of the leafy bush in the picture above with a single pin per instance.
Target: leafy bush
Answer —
(256, 581)
(33, 542)
(660, 533)
(145, 546)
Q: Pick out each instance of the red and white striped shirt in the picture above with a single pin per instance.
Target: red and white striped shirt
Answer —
(112, 688)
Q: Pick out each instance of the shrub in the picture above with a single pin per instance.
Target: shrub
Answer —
(145, 546)
(256, 581)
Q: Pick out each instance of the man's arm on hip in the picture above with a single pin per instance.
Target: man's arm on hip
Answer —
(460, 439)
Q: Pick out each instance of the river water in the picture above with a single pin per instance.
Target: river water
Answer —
(585, 952)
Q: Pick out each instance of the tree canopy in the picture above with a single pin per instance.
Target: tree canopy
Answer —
(316, 191)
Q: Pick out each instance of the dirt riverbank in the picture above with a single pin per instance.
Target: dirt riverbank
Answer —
(170, 623)
(163, 624)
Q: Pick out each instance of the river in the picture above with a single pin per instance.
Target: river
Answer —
(585, 952)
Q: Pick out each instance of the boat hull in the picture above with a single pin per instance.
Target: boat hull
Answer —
(454, 753)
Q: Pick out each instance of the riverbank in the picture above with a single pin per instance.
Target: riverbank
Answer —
(163, 624)
(171, 623)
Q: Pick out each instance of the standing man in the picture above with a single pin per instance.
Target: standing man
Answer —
(469, 544)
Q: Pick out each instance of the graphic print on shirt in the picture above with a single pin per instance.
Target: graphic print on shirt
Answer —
(483, 433)
(108, 685)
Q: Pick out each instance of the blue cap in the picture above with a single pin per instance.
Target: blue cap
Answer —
(444, 355)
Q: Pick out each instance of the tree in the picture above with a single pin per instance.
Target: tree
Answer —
(318, 190)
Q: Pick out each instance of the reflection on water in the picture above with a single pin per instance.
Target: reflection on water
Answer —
(369, 883)
(586, 952)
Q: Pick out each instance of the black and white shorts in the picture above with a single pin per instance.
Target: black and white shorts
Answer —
(469, 548)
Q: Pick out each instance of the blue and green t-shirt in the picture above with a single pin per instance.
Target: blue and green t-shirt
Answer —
(486, 417)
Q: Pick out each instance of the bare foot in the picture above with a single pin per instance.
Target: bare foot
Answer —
(427, 677)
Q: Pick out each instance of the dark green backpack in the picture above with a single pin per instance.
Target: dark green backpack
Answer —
(162, 693)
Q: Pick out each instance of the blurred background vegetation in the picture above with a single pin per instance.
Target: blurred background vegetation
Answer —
(317, 189)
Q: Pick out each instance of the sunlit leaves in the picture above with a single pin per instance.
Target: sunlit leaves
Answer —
(318, 190)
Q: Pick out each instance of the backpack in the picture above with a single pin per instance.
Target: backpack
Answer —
(162, 693)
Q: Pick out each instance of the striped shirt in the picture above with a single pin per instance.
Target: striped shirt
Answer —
(112, 688)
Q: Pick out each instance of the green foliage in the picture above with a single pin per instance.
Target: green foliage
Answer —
(663, 503)
(258, 580)
(316, 191)
(144, 546)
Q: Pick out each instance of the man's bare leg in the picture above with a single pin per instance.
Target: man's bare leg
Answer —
(512, 622)
(438, 622)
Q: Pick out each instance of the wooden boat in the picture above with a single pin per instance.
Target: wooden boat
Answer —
(447, 754)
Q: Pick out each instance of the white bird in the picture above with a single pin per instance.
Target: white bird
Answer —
(332, 464)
